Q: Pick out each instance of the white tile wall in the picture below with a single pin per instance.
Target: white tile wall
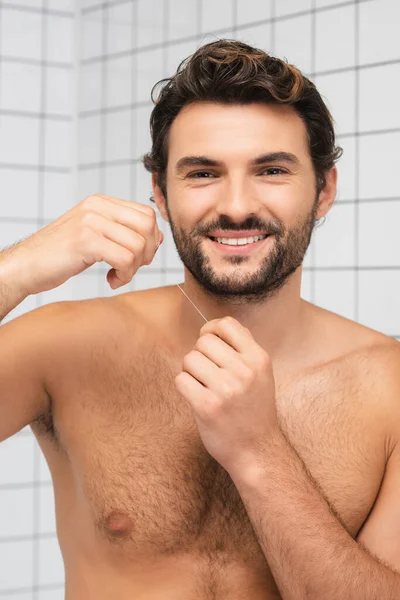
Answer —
(367, 170)
(216, 15)
(292, 40)
(28, 196)
(251, 11)
(20, 87)
(331, 26)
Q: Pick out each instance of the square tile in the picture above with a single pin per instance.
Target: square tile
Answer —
(118, 181)
(145, 280)
(90, 86)
(329, 53)
(60, 39)
(67, 5)
(379, 301)
(338, 91)
(11, 233)
(59, 91)
(293, 41)
(80, 287)
(346, 186)
(89, 140)
(119, 135)
(21, 33)
(379, 21)
(306, 291)
(16, 515)
(288, 7)
(19, 195)
(150, 22)
(26, 305)
(182, 21)
(119, 90)
(149, 70)
(378, 109)
(379, 165)
(20, 87)
(172, 258)
(335, 291)
(47, 515)
(258, 36)
(91, 34)
(174, 278)
(334, 241)
(52, 594)
(12, 131)
(51, 566)
(216, 15)
(88, 183)
(176, 53)
(251, 11)
(120, 27)
(42, 466)
(16, 559)
(142, 185)
(141, 124)
(379, 242)
(58, 143)
(58, 196)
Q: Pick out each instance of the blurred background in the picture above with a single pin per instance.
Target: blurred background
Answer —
(75, 82)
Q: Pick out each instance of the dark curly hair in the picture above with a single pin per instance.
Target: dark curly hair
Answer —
(232, 72)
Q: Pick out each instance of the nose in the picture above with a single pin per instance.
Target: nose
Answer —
(237, 199)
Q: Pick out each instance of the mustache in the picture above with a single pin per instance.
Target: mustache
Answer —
(273, 227)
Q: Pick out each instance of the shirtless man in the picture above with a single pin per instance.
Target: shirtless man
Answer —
(253, 456)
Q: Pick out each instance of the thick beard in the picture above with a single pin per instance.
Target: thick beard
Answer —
(285, 255)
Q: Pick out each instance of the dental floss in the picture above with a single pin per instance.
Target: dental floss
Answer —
(177, 284)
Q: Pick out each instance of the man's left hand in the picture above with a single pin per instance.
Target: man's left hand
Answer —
(228, 380)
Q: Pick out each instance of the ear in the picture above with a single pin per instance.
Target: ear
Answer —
(328, 194)
(159, 197)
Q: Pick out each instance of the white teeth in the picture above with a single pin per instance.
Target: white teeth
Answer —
(240, 241)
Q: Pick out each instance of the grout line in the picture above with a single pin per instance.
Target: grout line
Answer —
(38, 298)
(32, 115)
(34, 62)
(24, 590)
(219, 32)
(357, 167)
(36, 9)
(49, 535)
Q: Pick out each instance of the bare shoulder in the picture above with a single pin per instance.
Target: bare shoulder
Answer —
(366, 363)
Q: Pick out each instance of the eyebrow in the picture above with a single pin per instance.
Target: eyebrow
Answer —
(205, 161)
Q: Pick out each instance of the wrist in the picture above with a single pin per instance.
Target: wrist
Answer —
(12, 291)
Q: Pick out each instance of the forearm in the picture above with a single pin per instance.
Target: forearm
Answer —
(310, 553)
(11, 292)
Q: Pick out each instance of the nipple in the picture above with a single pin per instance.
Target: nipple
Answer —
(118, 524)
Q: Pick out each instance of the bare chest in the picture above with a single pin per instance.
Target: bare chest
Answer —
(152, 488)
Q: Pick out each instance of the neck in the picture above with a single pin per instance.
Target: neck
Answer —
(277, 325)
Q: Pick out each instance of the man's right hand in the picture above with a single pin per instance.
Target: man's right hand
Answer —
(122, 233)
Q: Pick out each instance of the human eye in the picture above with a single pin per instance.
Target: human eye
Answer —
(200, 175)
(277, 171)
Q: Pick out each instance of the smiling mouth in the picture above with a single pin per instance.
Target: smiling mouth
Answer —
(239, 241)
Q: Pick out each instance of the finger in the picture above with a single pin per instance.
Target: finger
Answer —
(138, 221)
(118, 257)
(194, 392)
(203, 369)
(231, 332)
(124, 236)
(217, 350)
(128, 203)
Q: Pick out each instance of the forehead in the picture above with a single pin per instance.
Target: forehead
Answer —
(231, 130)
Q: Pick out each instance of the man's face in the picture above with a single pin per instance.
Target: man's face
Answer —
(220, 181)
